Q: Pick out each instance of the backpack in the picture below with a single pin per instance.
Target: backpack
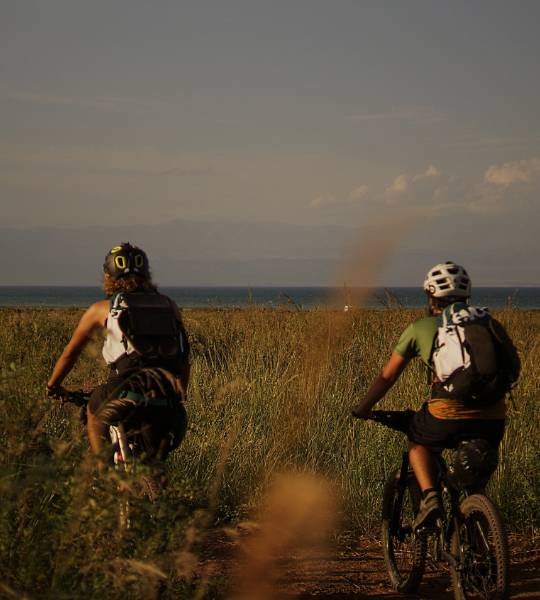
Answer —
(467, 358)
(150, 327)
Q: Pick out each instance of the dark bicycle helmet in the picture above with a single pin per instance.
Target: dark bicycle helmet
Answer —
(126, 260)
(473, 462)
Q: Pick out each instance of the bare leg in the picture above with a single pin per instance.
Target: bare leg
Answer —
(96, 433)
(423, 464)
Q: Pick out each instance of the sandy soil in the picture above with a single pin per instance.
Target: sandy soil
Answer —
(354, 569)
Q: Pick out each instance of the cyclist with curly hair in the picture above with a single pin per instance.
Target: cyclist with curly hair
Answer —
(467, 399)
(146, 348)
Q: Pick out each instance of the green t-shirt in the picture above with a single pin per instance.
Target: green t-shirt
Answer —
(418, 339)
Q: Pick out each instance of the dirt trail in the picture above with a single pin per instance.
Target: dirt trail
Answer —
(355, 570)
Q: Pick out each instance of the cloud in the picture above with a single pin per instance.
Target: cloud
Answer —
(520, 171)
(507, 189)
(431, 171)
(329, 200)
(422, 114)
(485, 202)
(323, 201)
(435, 193)
(399, 185)
(402, 182)
(358, 193)
(432, 193)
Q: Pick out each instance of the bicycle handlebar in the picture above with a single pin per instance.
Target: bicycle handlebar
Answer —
(399, 420)
(77, 397)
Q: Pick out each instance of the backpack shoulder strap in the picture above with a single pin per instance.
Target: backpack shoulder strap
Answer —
(445, 316)
(507, 348)
(114, 300)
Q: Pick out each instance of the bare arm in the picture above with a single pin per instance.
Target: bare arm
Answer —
(380, 386)
(93, 318)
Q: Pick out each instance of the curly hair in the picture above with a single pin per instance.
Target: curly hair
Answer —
(127, 284)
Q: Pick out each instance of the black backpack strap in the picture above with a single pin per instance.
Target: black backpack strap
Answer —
(182, 333)
(507, 350)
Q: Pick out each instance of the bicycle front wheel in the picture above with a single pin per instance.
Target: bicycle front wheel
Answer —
(404, 551)
(480, 547)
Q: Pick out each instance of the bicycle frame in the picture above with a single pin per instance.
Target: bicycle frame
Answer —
(123, 455)
(445, 527)
(123, 458)
(123, 452)
(402, 486)
(477, 556)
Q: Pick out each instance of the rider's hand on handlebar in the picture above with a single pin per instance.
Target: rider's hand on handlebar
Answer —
(55, 391)
(361, 411)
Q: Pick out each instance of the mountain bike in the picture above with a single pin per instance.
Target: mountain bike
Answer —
(470, 537)
(126, 453)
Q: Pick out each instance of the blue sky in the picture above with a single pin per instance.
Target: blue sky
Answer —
(347, 113)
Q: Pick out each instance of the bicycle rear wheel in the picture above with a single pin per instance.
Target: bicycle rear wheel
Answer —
(480, 547)
(404, 551)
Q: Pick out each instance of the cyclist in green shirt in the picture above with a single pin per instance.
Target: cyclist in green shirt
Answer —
(442, 422)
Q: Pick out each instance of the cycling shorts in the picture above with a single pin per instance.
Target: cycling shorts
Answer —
(103, 392)
(437, 434)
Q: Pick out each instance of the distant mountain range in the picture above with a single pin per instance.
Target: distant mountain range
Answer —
(181, 253)
(228, 253)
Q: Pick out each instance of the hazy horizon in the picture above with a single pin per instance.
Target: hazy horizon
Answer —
(221, 253)
(299, 141)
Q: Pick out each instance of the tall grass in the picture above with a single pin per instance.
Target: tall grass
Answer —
(271, 390)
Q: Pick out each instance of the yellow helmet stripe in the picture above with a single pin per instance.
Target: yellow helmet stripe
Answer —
(120, 262)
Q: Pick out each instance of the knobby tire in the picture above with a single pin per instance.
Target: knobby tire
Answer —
(149, 487)
(481, 550)
(404, 551)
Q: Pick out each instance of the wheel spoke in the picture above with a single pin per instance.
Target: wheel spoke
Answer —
(404, 551)
(482, 550)
(480, 531)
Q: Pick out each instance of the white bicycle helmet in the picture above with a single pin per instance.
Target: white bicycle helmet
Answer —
(448, 279)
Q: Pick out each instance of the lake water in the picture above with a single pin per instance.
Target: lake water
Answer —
(301, 297)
